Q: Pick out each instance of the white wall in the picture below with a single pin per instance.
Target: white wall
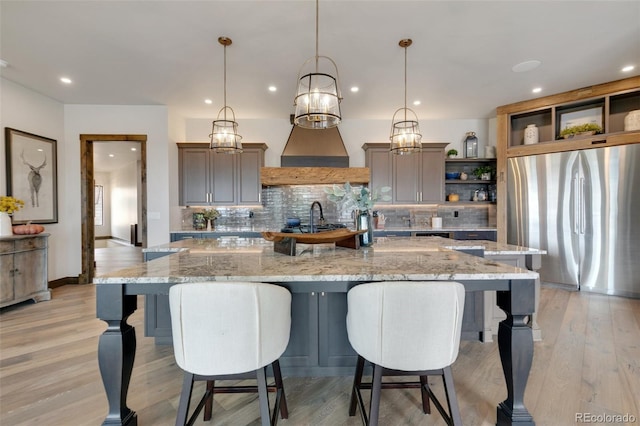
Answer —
(354, 134)
(115, 119)
(124, 201)
(26, 110)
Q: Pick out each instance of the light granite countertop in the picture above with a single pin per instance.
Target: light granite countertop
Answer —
(419, 243)
(242, 229)
(253, 259)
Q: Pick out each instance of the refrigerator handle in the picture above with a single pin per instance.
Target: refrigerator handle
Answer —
(575, 217)
(582, 207)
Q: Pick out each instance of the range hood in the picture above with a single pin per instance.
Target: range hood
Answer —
(314, 148)
(314, 157)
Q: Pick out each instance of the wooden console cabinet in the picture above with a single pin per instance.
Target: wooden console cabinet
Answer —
(23, 269)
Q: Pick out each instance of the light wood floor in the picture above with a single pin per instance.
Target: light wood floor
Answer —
(589, 361)
(111, 255)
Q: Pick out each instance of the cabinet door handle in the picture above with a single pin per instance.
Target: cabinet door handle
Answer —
(313, 293)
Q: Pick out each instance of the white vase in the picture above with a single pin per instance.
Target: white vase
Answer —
(5, 225)
(632, 121)
(531, 134)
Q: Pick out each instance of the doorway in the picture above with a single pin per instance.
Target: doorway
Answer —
(88, 197)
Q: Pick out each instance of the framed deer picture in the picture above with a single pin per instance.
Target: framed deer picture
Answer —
(32, 176)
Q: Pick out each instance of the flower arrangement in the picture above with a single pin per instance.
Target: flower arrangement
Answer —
(10, 204)
(211, 214)
(359, 198)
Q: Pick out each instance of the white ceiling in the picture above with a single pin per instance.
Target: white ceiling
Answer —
(166, 52)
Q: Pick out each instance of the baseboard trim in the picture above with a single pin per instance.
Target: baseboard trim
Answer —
(63, 281)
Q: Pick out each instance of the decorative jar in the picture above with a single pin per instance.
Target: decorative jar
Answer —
(531, 134)
(632, 121)
(5, 225)
(471, 145)
(364, 221)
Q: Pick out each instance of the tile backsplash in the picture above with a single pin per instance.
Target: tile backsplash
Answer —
(281, 202)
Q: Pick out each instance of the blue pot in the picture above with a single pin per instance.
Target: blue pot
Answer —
(293, 221)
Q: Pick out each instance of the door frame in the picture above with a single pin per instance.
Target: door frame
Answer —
(87, 193)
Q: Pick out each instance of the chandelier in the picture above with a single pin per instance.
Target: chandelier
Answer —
(224, 133)
(405, 130)
(318, 97)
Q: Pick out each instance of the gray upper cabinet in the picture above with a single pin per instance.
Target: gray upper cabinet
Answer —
(208, 178)
(378, 160)
(415, 178)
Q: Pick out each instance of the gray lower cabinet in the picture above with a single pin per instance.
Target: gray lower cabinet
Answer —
(475, 235)
(23, 269)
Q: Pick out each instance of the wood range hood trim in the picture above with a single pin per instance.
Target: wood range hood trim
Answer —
(272, 176)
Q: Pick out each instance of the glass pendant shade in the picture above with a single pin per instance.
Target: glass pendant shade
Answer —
(318, 97)
(224, 134)
(317, 101)
(405, 133)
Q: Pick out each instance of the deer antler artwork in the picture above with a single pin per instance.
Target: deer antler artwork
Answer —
(35, 179)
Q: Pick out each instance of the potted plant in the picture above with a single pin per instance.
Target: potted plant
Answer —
(452, 153)
(484, 172)
(581, 129)
(210, 215)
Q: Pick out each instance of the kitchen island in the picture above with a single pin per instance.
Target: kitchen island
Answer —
(482, 315)
(318, 278)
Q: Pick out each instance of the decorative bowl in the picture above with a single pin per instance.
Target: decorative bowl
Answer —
(452, 175)
(293, 221)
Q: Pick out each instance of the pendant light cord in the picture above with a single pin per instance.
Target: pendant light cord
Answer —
(405, 83)
(225, 82)
(317, 26)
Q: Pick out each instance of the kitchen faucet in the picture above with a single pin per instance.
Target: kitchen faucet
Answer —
(312, 227)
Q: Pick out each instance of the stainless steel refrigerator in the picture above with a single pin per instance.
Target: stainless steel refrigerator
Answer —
(583, 207)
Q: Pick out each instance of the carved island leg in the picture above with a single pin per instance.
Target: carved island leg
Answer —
(515, 342)
(116, 350)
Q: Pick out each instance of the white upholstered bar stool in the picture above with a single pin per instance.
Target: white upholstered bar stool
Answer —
(230, 331)
(405, 328)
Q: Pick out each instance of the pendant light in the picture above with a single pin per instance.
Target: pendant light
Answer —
(405, 130)
(318, 97)
(224, 133)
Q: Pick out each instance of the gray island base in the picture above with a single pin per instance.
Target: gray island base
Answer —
(317, 272)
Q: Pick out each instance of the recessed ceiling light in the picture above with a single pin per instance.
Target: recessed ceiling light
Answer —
(65, 80)
(208, 101)
(3, 63)
(133, 149)
(537, 90)
(111, 155)
(526, 66)
(354, 89)
(628, 68)
(272, 88)
(416, 103)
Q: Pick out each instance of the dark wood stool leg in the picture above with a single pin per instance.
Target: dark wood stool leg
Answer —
(208, 407)
(185, 399)
(277, 374)
(263, 394)
(452, 399)
(357, 380)
(424, 386)
(376, 390)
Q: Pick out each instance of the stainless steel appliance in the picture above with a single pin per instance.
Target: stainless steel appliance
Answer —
(583, 207)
